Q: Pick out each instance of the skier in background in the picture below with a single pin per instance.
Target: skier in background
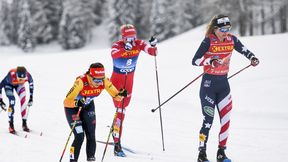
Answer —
(15, 79)
(85, 88)
(214, 54)
(125, 53)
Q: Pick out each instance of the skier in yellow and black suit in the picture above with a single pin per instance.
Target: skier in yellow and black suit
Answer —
(85, 88)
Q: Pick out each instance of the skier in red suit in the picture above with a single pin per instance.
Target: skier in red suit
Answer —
(125, 53)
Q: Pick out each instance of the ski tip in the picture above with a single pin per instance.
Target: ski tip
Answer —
(41, 133)
(25, 136)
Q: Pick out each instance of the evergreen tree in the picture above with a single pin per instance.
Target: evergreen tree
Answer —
(53, 10)
(5, 24)
(26, 40)
(41, 27)
(163, 19)
(76, 23)
(142, 20)
(121, 12)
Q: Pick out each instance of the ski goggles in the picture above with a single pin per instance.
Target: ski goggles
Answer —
(130, 39)
(224, 29)
(97, 80)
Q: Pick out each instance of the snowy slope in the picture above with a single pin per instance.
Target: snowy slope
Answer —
(259, 117)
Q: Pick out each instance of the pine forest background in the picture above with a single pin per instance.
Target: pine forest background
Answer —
(28, 23)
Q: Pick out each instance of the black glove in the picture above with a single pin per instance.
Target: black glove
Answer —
(153, 41)
(254, 61)
(123, 92)
(81, 103)
(128, 46)
(2, 105)
(30, 102)
(216, 62)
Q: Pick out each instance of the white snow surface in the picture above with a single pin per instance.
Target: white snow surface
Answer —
(258, 129)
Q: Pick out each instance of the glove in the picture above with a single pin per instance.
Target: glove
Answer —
(216, 62)
(81, 103)
(30, 102)
(2, 104)
(254, 61)
(123, 92)
(128, 46)
(153, 41)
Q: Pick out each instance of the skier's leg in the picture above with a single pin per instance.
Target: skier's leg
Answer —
(207, 96)
(224, 108)
(78, 133)
(10, 96)
(21, 91)
(89, 125)
(224, 105)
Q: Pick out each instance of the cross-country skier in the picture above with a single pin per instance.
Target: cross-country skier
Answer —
(214, 54)
(125, 53)
(85, 88)
(15, 79)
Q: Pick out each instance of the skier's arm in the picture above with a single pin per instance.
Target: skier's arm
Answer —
(198, 58)
(31, 84)
(117, 50)
(111, 89)
(73, 93)
(146, 48)
(239, 47)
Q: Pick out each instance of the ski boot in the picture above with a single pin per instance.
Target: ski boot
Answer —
(118, 150)
(202, 156)
(221, 157)
(24, 126)
(91, 159)
(11, 128)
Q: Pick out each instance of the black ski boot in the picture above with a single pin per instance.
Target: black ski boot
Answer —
(221, 156)
(11, 128)
(118, 150)
(24, 126)
(202, 156)
(91, 159)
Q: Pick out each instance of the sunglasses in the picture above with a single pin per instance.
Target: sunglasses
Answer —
(224, 29)
(97, 80)
(130, 39)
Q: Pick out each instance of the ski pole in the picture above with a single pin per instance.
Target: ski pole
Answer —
(73, 127)
(239, 71)
(153, 110)
(159, 103)
(111, 128)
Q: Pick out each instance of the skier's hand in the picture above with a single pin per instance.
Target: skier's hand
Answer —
(81, 103)
(30, 102)
(254, 61)
(215, 62)
(2, 105)
(153, 41)
(128, 46)
(123, 92)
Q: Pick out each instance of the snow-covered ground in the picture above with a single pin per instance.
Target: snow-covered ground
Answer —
(259, 118)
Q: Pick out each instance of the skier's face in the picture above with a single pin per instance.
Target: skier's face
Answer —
(222, 32)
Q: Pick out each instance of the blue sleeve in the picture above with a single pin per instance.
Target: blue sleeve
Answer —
(204, 47)
(5, 81)
(239, 47)
(31, 83)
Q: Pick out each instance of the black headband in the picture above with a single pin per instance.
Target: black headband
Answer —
(222, 21)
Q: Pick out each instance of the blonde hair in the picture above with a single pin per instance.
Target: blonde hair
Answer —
(211, 26)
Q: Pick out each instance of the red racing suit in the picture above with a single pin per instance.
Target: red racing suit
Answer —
(124, 65)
